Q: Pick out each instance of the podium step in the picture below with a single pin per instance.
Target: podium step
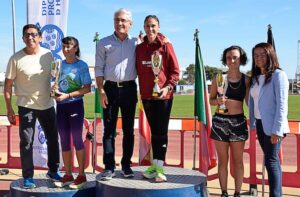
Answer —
(45, 188)
(181, 183)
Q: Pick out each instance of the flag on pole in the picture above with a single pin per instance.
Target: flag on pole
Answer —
(208, 158)
(145, 155)
(270, 39)
(98, 108)
(200, 109)
(145, 137)
(51, 17)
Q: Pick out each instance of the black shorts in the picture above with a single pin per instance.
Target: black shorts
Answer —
(229, 128)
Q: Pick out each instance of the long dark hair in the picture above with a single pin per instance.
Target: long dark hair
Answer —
(74, 41)
(270, 67)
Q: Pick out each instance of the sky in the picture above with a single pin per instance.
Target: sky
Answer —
(221, 24)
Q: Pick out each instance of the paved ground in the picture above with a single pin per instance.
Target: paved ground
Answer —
(289, 161)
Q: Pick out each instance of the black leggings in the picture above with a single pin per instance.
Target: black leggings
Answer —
(158, 115)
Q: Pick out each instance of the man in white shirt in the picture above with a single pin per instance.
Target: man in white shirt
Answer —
(30, 70)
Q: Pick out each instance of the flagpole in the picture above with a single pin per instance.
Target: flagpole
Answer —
(96, 39)
(194, 149)
(195, 118)
(4, 170)
(13, 24)
(270, 40)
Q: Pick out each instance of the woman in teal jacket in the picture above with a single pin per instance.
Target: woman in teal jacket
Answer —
(268, 108)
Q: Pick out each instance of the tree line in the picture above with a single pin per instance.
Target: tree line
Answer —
(188, 76)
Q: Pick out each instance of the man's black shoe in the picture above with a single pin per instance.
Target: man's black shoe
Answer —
(127, 172)
(107, 175)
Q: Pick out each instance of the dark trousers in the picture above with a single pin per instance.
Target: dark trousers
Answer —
(272, 161)
(124, 98)
(47, 120)
(158, 116)
(70, 118)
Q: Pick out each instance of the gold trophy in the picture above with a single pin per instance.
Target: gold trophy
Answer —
(55, 72)
(221, 88)
(156, 59)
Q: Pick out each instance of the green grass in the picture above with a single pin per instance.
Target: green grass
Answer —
(294, 107)
(182, 106)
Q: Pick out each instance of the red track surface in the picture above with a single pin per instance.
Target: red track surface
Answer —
(173, 153)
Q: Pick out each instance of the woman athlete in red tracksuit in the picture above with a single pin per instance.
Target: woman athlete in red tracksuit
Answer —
(156, 51)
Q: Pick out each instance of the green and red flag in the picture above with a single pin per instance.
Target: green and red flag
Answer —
(98, 109)
(270, 39)
(208, 158)
(200, 109)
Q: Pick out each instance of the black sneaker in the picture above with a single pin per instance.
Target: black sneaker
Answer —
(127, 172)
(107, 175)
(224, 194)
(54, 176)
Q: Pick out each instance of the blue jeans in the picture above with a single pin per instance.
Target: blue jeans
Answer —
(272, 162)
(125, 98)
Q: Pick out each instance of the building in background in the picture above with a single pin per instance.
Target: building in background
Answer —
(2, 78)
(189, 89)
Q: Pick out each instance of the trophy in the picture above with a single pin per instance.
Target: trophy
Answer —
(55, 71)
(221, 88)
(156, 59)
